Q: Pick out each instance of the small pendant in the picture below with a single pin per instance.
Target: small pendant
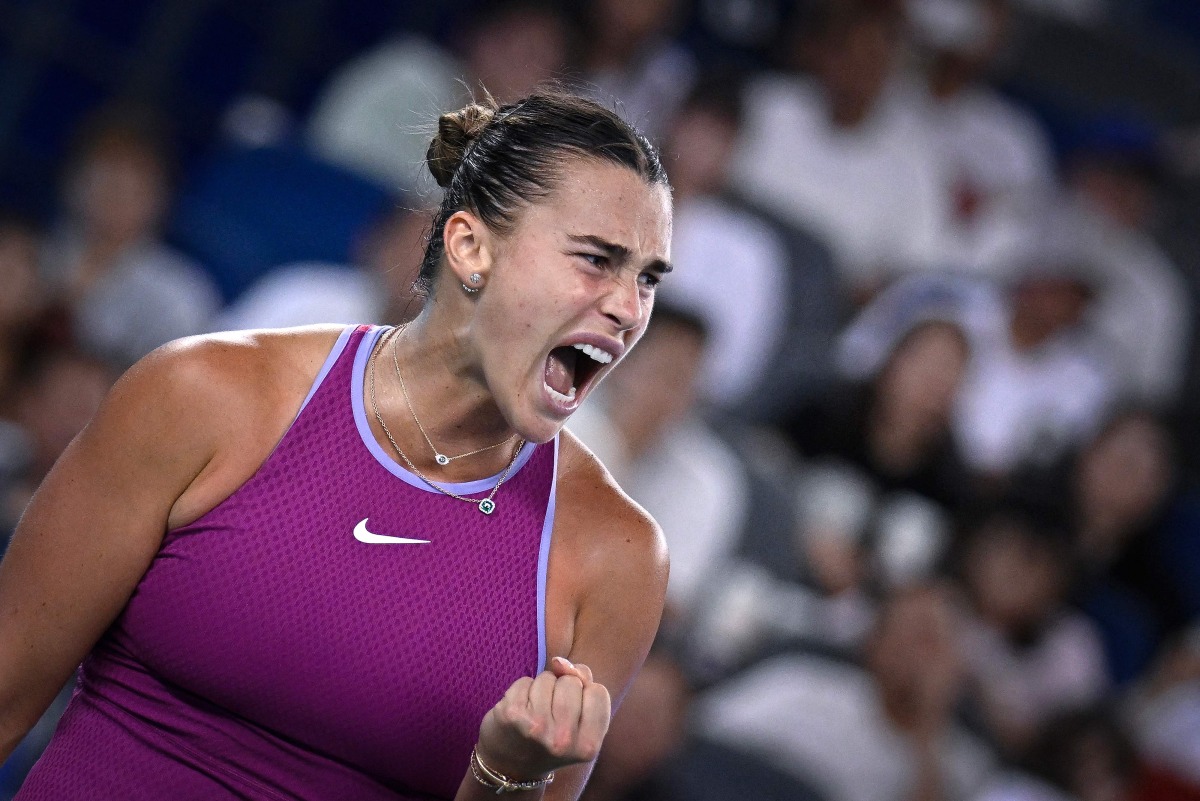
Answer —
(441, 459)
(487, 506)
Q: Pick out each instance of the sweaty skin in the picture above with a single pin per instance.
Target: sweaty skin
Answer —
(189, 424)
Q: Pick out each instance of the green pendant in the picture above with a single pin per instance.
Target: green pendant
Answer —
(487, 506)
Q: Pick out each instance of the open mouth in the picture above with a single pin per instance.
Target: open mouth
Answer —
(571, 369)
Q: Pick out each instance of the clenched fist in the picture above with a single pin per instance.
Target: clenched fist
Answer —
(541, 724)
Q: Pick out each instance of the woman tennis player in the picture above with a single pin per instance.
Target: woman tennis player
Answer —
(365, 563)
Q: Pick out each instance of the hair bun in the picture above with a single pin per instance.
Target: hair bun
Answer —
(456, 131)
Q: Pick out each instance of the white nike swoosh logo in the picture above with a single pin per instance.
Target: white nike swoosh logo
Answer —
(362, 535)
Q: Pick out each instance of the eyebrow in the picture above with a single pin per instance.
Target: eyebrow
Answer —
(617, 252)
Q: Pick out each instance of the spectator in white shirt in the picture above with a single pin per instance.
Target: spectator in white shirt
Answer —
(1030, 655)
(646, 425)
(630, 61)
(125, 291)
(1144, 311)
(377, 111)
(883, 733)
(1041, 379)
(994, 158)
(834, 152)
(768, 290)
(1037, 383)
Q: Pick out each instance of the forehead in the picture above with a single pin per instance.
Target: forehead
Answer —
(609, 201)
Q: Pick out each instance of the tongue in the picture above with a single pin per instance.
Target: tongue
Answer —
(560, 370)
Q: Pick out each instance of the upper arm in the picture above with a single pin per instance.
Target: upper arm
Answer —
(620, 611)
(619, 558)
(611, 558)
(96, 522)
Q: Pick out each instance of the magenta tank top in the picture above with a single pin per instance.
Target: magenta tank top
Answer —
(268, 653)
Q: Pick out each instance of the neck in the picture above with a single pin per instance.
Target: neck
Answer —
(446, 395)
(1027, 333)
(848, 111)
(949, 78)
(899, 440)
(898, 706)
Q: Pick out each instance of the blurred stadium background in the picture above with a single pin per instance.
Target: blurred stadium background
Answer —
(919, 411)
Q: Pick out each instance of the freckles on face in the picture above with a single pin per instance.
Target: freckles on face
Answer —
(553, 262)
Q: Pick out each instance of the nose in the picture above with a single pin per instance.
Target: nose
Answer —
(623, 302)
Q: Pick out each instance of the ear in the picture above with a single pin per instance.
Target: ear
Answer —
(468, 245)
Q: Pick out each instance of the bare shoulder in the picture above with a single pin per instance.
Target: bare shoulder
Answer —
(233, 395)
(241, 362)
(223, 377)
(608, 527)
(177, 433)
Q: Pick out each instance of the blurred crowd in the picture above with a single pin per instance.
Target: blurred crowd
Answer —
(908, 411)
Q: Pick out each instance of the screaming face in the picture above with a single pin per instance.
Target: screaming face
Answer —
(569, 291)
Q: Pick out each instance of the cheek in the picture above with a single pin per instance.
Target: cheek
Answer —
(514, 324)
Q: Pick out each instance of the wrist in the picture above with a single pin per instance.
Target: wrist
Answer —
(503, 762)
(493, 779)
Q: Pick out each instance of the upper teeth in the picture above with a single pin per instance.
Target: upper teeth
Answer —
(602, 356)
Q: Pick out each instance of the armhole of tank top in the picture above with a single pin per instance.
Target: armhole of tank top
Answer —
(339, 346)
(330, 360)
(544, 559)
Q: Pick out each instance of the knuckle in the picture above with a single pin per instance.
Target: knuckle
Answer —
(588, 748)
(561, 743)
(597, 694)
(569, 682)
(534, 728)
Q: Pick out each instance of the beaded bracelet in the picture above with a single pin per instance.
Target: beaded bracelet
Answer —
(501, 783)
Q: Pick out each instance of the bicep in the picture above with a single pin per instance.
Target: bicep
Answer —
(615, 626)
(619, 614)
(89, 534)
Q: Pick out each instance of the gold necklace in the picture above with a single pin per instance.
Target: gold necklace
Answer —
(438, 456)
(486, 505)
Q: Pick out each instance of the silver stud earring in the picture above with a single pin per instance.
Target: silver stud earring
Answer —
(474, 279)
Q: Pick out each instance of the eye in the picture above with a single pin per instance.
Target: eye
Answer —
(595, 259)
(650, 280)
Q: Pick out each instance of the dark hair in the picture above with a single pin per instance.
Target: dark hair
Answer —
(1025, 522)
(493, 160)
(1062, 745)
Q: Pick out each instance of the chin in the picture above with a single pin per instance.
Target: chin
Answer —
(539, 435)
(536, 426)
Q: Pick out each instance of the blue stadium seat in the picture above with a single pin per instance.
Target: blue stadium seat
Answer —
(249, 210)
